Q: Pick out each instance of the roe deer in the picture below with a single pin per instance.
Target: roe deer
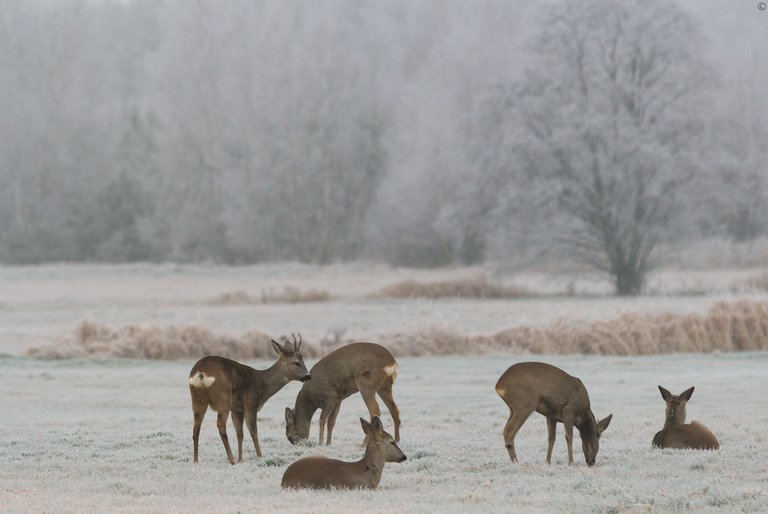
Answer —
(324, 473)
(677, 434)
(228, 386)
(535, 386)
(366, 367)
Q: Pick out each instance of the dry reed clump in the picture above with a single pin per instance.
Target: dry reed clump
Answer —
(164, 343)
(739, 326)
(287, 295)
(466, 288)
(293, 295)
(728, 327)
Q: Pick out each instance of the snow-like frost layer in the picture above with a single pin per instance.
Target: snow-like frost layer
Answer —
(115, 436)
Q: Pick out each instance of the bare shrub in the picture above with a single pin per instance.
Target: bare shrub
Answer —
(287, 295)
(466, 288)
(153, 342)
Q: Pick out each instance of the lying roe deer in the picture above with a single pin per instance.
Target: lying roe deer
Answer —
(366, 367)
(228, 386)
(324, 473)
(677, 434)
(535, 386)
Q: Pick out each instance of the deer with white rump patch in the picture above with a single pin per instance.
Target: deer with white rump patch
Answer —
(366, 367)
(676, 433)
(230, 387)
(324, 473)
(535, 386)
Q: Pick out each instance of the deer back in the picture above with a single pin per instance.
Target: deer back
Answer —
(544, 387)
(223, 381)
(337, 376)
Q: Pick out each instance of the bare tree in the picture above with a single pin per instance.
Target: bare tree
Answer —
(612, 127)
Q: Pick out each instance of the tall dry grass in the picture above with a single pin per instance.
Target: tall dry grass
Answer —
(154, 342)
(727, 327)
(463, 288)
(287, 295)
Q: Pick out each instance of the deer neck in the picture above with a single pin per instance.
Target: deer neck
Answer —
(304, 409)
(588, 425)
(372, 464)
(273, 379)
(675, 416)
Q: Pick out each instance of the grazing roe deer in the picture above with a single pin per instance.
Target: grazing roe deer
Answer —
(535, 386)
(228, 386)
(677, 434)
(323, 473)
(366, 367)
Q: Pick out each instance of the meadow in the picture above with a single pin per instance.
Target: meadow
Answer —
(104, 433)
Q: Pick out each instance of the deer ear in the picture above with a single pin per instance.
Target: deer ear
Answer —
(686, 395)
(665, 394)
(289, 416)
(376, 424)
(603, 424)
(366, 427)
(277, 347)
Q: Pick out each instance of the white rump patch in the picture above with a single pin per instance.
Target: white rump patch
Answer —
(391, 371)
(200, 379)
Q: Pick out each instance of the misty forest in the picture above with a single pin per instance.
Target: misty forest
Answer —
(425, 133)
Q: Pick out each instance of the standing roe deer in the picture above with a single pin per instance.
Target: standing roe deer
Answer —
(366, 367)
(677, 434)
(535, 386)
(228, 386)
(323, 473)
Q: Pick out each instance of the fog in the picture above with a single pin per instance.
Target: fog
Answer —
(411, 132)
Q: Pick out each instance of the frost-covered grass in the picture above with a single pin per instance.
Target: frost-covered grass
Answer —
(115, 436)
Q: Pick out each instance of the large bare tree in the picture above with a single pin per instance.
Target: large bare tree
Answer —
(611, 126)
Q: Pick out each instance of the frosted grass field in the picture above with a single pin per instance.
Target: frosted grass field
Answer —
(115, 436)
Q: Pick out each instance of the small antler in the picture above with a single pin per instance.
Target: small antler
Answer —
(296, 345)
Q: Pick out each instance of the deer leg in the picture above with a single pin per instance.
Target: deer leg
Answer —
(199, 414)
(385, 393)
(516, 419)
(221, 422)
(551, 432)
(369, 397)
(253, 428)
(568, 422)
(327, 409)
(332, 420)
(237, 420)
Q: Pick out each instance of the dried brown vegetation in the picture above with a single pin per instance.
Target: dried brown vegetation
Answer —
(738, 326)
(727, 327)
(287, 295)
(156, 342)
(465, 288)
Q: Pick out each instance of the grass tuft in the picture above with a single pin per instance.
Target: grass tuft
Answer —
(463, 288)
(287, 295)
